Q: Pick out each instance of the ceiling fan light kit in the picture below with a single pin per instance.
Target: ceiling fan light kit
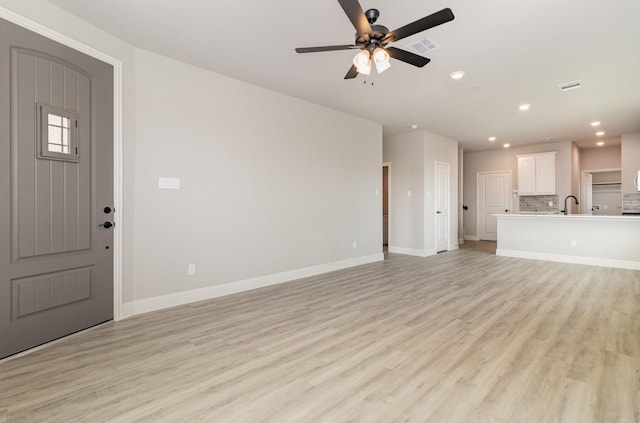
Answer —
(381, 59)
(362, 62)
(372, 39)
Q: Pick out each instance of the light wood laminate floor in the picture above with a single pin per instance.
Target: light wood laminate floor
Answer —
(463, 336)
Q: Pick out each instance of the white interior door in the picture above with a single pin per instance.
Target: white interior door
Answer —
(442, 205)
(494, 197)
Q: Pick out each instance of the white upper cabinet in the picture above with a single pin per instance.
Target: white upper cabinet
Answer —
(546, 174)
(526, 175)
(537, 174)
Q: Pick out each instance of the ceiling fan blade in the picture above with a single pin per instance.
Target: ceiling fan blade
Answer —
(325, 48)
(407, 57)
(353, 72)
(356, 15)
(435, 19)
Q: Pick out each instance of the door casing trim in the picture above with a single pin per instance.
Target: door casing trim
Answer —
(388, 166)
(117, 139)
(448, 193)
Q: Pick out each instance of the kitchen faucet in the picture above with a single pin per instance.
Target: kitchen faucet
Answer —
(566, 209)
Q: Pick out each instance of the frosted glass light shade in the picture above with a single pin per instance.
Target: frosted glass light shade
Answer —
(381, 59)
(362, 62)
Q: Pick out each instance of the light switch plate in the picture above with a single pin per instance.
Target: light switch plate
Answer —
(169, 183)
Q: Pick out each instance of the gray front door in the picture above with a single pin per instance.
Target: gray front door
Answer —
(56, 190)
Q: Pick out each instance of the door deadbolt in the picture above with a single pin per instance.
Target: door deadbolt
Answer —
(107, 210)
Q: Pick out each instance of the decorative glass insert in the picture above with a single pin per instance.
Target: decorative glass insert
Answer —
(57, 133)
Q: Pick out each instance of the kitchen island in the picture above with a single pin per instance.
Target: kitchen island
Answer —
(610, 241)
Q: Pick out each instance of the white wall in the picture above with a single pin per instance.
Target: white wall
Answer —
(601, 158)
(272, 187)
(505, 159)
(630, 161)
(609, 200)
(269, 183)
(612, 176)
(405, 152)
(412, 219)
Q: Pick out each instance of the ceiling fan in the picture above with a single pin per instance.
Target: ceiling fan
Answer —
(372, 39)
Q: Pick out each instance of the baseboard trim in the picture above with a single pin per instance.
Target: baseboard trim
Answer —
(471, 238)
(412, 252)
(180, 298)
(592, 261)
(126, 310)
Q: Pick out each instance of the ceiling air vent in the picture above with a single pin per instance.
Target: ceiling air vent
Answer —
(548, 139)
(570, 85)
(423, 46)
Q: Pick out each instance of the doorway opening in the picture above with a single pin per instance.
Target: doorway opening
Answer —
(602, 192)
(385, 207)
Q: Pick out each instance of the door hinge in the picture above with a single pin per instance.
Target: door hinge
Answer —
(76, 151)
(76, 123)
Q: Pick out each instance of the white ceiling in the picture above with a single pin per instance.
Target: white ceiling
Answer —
(513, 52)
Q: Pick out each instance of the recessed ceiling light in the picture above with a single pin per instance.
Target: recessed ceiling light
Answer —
(595, 123)
(456, 75)
(600, 133)
(506, 145)
(414, 126)
(600, 143)
(492, 139)
(524, 107)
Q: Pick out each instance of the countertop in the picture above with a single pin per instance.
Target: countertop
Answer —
(569, 216)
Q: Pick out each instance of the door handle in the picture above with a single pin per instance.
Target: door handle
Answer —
(106, 225)
(438, 212)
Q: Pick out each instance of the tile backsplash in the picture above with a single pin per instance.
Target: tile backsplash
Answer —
(631, 203)
(539, 203)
